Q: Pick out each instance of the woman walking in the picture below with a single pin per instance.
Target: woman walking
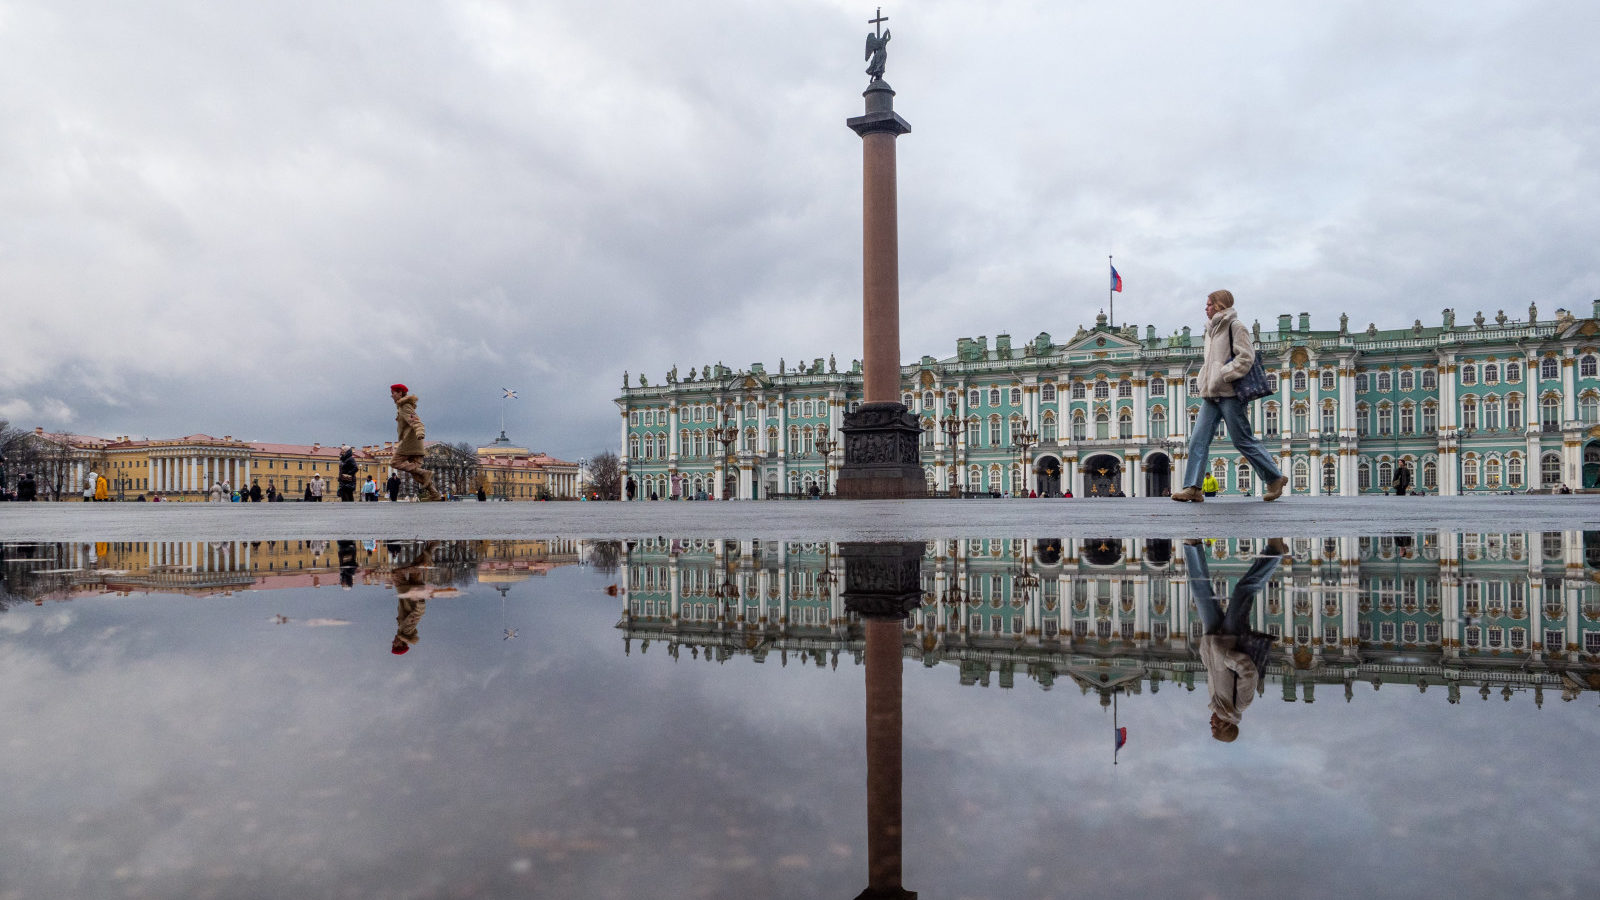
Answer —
(1229, 352)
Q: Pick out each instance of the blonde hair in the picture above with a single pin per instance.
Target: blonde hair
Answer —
(1223, 299)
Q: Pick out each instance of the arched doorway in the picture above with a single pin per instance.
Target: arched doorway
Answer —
(1158, 475)
(1102, 476)
(1047, 476)
(1591, 464)
(1158, 551)
(1102, 551)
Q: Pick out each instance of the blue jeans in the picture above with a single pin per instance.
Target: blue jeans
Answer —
(1231, 411)
(1237, 618)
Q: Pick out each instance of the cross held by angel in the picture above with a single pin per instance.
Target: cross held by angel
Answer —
(877, 47)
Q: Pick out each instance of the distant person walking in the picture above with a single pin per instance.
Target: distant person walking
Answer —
(216, 491)
(90, 481)
(27, 488)
(408, 450)
(369, 491)
(315, 487)
(1209, 486)
(1229, 352)
(102, 489)
(255, 492)
(393, 486)
(1402, 479)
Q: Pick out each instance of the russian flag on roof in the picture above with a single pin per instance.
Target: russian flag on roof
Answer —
(1116, 280)
(1122, 736)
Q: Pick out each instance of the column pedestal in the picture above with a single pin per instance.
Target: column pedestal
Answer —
(882, 458)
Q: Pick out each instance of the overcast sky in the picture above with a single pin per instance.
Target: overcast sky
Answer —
(249, 219)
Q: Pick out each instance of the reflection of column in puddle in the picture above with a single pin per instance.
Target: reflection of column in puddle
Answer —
(882, 584)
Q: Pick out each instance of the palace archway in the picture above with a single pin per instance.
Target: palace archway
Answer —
(1158, 475)
(1047, 476)
(1591, 464)
(1102, 551)
(1102, 476)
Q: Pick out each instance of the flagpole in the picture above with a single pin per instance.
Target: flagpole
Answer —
(1111, 296)
(1115, 731)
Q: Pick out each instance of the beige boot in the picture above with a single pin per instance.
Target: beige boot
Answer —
(1190, 495)
(1275, 489)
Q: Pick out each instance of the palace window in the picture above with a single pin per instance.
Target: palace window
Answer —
(1047, 393)
(1080, 429)
(1125, 424)
(1363, 416)
(1158, 387)
(1246, 485)
(1364, 476)
(1016, 396)
(1302, 477)
(994, 431)
(1408, 380)
(1385, 382)
(1430, 417)
(1491, 373)
(1469, 472)
(1513, 372)
(1588, 409)
(1328, 379)
(1047, 429)
(1385, 418)
(1194, 413)
(1430, 475)
(1269, 425)
(1491, 413)
(1550, 470)
(1361, 382)
(1077, 390)
(1549, 368)
(1469, 374)
(1219, 471)
(994, 396)
(1302, 419)
(1194, 386)
(1272, 382)
(1430, 379)
(1330, 476)
(1124, 389)
(974, 398)
(1408, 418)
(1328, 420)
(1102, 425)
(1550, 412)
(1588, 366)
(1158, 424)
(1102, 390)
(1514, 471)
(1514, 412)
(1469, 413)
(1299, 380)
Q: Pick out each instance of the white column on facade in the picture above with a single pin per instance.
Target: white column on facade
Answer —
(1141, 409)
(1569, 388)
(1178, 411)
(672, 431)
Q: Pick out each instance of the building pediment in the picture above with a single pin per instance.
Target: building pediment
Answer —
(1097, 341)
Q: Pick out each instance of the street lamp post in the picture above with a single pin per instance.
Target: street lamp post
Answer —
(824, 446)
(727, 434)
(952, 425)
(1023, 438)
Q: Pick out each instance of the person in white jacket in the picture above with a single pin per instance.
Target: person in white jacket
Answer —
(1231, 676)
(1230, 350)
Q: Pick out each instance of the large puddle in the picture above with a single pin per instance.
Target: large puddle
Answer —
(969, 718)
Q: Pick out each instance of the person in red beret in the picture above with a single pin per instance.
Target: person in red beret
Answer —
(408, 449)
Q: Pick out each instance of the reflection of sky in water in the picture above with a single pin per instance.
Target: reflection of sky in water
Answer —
(179, 746)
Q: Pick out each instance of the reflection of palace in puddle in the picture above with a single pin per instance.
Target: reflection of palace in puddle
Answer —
(1505, 612)
(50, 571)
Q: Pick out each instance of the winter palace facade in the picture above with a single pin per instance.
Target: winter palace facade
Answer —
(1486, 405)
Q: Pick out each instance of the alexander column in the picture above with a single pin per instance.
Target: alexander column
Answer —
(881, 459)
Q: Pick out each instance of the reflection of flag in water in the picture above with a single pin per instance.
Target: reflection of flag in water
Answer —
(1122, 736)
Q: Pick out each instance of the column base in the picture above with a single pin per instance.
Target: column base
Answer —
(882, 457)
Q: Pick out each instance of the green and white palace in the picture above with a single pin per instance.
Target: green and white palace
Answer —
(1485, 405)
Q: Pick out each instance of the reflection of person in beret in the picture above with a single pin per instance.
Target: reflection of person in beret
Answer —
(411, 586)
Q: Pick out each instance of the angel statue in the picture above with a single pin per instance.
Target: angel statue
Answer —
(877, 55)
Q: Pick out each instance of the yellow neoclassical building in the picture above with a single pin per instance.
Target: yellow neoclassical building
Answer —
(185, 469)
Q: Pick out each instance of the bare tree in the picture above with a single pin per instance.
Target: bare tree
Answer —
(455, 467)
(605, 477)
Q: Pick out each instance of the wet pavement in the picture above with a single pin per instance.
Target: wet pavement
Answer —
(979, 714)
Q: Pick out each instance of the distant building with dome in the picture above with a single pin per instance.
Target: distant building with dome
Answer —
(1481, 406)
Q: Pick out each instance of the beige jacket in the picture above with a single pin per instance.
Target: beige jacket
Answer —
(1217, 375)
(408, 426)
(1230, 676)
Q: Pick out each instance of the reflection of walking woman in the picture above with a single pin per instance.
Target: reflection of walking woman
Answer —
(1230, 674)
(1226, 337)
(411, 587)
